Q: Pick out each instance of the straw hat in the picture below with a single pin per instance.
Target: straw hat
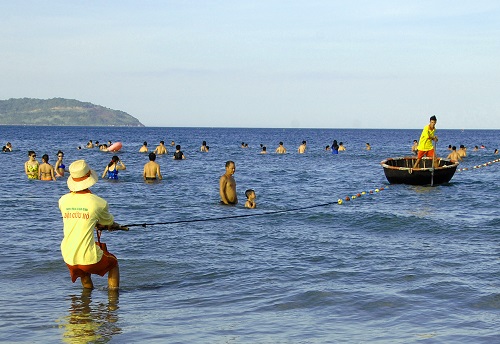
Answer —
(81, 176)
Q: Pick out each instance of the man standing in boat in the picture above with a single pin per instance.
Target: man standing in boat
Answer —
(425, 145)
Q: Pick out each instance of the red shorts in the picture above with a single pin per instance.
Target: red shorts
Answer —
(107, 262)
(429, 153)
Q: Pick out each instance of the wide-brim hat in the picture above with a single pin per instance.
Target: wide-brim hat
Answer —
(81, 176)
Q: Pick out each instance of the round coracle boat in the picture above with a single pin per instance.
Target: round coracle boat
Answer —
(401, 171)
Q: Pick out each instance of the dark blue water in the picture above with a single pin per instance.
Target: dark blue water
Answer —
(406, 264)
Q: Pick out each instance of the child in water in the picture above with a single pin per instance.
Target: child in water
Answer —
(250, 203)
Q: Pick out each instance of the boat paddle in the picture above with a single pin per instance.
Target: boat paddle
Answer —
(433, 163)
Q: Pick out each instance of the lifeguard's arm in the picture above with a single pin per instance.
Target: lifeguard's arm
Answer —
(111, 227)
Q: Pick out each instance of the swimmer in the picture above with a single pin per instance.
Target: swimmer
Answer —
(335, 147)
(172, 143)
(46, 170)
(144, 148)
(281, 149)
(341, 147)
(496, 151)
(462, 151)
(113, 167)
(302, 147)
(327, 148)
(203, 147)
(227, 185)
(264, 150)
(161, 149)
(368, 147)
(90, 144)
(31, 166)
(414, 147)
(250, 203)
(60, 168)
(454, 156)
(178, 155)
(8, 147)
(152, 169)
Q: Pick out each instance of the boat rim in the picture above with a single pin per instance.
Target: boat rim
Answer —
(384, 164)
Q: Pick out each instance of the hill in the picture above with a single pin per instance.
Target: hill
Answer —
(63, 112)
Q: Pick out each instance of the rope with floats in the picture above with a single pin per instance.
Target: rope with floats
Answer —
(489, 163)
(338, 202)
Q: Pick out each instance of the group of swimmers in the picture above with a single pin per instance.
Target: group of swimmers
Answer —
(44, 170)
(161, 149)
(335, 148)
(102, 147)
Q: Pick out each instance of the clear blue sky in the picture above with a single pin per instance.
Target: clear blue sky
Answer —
(230, 63)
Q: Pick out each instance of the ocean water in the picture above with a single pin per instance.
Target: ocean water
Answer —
(406, 264)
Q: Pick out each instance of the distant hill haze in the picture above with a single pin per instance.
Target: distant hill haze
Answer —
(63, 112)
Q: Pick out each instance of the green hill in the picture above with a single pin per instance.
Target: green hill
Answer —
(63, 112)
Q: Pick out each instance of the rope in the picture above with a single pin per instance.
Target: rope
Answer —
(489, 163)
(228, 217)
(339, 202)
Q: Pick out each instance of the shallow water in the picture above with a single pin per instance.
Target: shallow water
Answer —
(406, 264)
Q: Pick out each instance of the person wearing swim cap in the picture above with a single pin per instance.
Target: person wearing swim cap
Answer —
(82, 211)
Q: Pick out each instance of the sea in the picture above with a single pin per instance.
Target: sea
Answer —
(394, 264)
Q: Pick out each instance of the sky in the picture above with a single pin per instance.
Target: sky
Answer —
(262, 64)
